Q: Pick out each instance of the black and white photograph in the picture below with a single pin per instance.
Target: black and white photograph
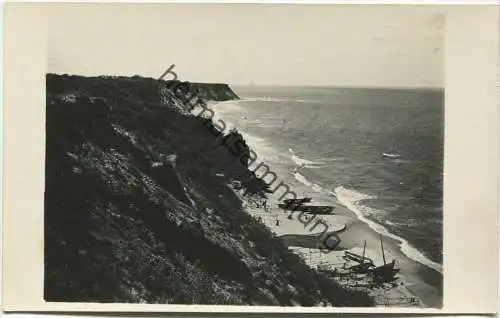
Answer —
(287, 173)
(248, 156)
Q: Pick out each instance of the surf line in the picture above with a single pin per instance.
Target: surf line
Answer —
(182, 90)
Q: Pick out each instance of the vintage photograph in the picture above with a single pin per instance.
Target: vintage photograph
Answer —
(262, 155)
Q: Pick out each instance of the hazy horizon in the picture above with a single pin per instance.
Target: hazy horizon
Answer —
(436, 88)
(393, 46)
(433, 88)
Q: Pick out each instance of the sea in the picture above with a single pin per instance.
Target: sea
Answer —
(379, 152)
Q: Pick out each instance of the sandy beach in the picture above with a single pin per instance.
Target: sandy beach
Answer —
(417, 285)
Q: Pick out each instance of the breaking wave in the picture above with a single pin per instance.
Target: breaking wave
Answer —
(352, 199)
(300, 178)
(305, 162)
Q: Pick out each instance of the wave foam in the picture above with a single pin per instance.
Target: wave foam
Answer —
(300, 178)
(316, 187)
(264, 99)
(305, 162)
(223, 107)
(351, 200)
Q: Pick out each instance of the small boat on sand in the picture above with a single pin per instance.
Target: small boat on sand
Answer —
(382, 273)
(297, 201)
(312, 209)
(364, 263)
(386, 272)
(299, 205)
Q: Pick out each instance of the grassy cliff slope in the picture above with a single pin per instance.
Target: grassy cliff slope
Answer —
(138, 207)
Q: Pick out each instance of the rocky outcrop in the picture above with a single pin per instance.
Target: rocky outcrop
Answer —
(138, 207)
(216, 92)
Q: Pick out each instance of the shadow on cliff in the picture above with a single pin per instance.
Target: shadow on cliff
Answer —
(138, 207)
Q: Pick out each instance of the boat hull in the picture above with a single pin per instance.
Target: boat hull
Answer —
(311, 209)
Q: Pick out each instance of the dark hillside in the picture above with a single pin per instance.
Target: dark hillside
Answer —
(138, 207)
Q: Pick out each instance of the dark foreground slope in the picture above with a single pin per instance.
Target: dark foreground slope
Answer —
(138, 207)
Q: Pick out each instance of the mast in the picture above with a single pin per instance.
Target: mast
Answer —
(364, 248)
(382, 245)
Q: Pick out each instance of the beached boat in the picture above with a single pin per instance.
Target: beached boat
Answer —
(297, 201)
(382, 273)
(317, 209)
(364, 263)
(311, 209)
(386, 272)
(299, 205)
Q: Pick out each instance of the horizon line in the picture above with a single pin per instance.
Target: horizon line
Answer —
(438, 88)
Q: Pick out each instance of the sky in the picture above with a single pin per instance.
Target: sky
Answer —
(318, 45)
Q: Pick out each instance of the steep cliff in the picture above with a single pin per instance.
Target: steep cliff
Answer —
(216, 92)
(138, 207)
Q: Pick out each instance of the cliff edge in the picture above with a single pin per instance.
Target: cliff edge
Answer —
(138, 206)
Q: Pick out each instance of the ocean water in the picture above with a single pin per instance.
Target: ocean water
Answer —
(339, 135)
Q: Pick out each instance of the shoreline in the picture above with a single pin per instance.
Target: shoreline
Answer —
(419, 278)
(422, 281)
(415, 279)
(403, 243)
(154, 199)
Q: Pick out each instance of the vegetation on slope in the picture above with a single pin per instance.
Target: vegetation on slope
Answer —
(138, 207)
